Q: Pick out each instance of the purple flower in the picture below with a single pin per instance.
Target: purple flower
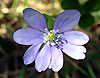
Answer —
(55, 41)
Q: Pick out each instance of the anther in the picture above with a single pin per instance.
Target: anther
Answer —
(46, 29)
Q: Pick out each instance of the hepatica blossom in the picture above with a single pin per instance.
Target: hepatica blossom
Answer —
(48, 45)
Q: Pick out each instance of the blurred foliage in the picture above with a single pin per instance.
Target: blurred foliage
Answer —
(70, 4)
(91, 6)
(87, 20)
(25, 3)
(15, 2)
(92, 75)
(11, 53)
(22, 72)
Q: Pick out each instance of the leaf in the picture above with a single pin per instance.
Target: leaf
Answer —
(90, 70)
(70, 4)
(88, 6)
(50, 21)
(86, 21)
(91, 6)
(97, 6)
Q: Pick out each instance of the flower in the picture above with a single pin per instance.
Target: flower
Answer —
(48, 45)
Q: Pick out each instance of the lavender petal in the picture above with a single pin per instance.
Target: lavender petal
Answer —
(31, 53)
(67, 20)
(76, 37)
(57, 59)
(43, 59)
(34, 19)
(28, 36)
(74, 51)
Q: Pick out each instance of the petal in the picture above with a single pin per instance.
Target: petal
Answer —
(34, 19)
(28, 36)
(31, 53)
(57, 59)
(76, 37)
(67, 20)
(43, 59)
(74, 51)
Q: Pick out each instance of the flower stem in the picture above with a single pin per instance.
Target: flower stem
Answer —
(56, 75)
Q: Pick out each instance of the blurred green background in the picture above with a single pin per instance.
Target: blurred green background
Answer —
(11, 53)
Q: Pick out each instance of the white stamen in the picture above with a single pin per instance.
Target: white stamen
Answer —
(52, 43)
(57, 30)
(46, 29)
(58, 36)
(50, 30)
(44, 33)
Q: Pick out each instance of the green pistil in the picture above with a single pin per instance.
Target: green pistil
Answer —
(51, 36)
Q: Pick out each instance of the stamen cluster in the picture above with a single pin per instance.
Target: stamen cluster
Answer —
(51, 36)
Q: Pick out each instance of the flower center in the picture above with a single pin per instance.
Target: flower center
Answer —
(51, 36)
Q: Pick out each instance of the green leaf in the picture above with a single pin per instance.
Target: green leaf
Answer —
(70, 4)
(91, 6)
(50, 21)
(86, 21)
(90, 70)
(88, 6)
(97, 6)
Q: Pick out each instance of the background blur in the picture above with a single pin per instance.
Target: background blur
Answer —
(11, 53)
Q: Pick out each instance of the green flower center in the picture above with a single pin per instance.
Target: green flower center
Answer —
(51, 36)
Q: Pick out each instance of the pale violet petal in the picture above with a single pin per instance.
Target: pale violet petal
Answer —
(76, 37)
(27, 36)
(31, 53)
(74, 51)
(43, 58)
(67, 20)
(35, 19)
(57, 59)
